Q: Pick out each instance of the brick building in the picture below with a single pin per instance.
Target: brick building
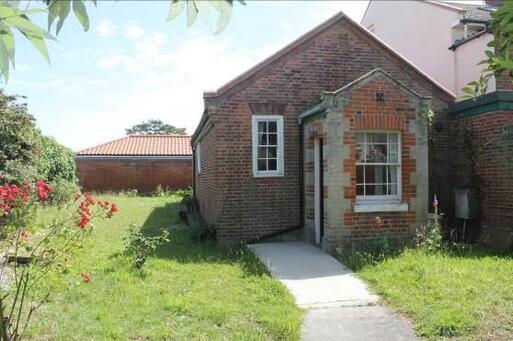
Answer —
(140, 162)
(327, 136)
(482, 161)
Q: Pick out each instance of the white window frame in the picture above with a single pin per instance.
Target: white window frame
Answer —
(198, 158)
(280, 156)
(387, 201)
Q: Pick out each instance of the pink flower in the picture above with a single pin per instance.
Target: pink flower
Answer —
(435, 202)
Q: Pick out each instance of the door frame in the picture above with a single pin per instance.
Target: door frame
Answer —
(318, 190)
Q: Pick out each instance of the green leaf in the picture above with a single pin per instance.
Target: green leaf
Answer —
(175, 9)
(224, 16)
(469, 91)
(489, 54)
(24, 25)
(81, 13)
(7, 11)
(506, 64)
(4, 61)
(39, 43)
(202, 7)
(192, 12)
(8, 40)
(64, 9)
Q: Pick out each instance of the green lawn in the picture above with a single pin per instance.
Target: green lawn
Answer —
(469, 296)
(186, 291)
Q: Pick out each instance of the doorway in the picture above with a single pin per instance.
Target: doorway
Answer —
(319, 190)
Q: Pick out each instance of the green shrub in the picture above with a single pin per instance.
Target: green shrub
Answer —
(139, 246)
(20, 143)
(186, 193)
(56, 162)
(63, 191)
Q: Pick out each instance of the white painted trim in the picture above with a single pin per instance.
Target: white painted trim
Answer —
(280, 153)
(378, 199)
(381, 207)
(317, 190)
(198, 158)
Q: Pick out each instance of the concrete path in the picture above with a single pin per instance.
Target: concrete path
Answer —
(339, 305)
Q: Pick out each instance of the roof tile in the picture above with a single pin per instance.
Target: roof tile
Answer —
(143, 145)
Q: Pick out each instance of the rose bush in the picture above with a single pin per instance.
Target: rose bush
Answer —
(31, 253)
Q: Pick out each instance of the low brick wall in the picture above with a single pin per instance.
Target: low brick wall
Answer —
(144, 175)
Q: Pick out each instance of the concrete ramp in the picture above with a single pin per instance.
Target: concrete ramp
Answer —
(316, 279)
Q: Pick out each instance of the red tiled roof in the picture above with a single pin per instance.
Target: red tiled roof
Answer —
(143, 145)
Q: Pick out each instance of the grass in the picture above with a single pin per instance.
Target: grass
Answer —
(466, 295)
(186, 290)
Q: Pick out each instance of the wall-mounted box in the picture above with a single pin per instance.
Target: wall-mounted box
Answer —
(465, 203)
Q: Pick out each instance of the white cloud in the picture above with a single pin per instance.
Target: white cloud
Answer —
(167, 80)
(133, 31)
(105, 29)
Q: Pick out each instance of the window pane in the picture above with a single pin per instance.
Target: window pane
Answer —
(375, 189)
(273, 139)
(262, 126)
(393, 158)
(262, 164)
(272, 152)
(377, 153)
(272, 164)
(392, 138)
(262, 139)
(393, 147)
(360, 156)
(392, 189)
(375, 174)
(272, 126)
(262, 152)
(392, 174)
(359, 190)
(359, 174)
(377, 138)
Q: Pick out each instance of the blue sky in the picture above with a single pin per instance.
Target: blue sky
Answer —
(132, 65)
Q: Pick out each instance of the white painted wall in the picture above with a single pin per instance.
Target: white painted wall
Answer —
(466, 57)
(422, 32)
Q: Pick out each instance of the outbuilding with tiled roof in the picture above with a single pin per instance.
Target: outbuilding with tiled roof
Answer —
(140, 162)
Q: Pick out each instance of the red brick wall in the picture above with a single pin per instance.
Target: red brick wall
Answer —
(492, 153)
(397, 113)
(253, 207)
(123, 174)
(208, 183)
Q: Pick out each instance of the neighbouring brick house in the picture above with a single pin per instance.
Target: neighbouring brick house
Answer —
(327, 135)
(140, 162)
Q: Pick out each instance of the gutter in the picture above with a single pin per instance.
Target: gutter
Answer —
(201, 124)
(477, 35)
(312, 111)
(493, 101)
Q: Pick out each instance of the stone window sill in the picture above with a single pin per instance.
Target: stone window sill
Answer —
(380, 207)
